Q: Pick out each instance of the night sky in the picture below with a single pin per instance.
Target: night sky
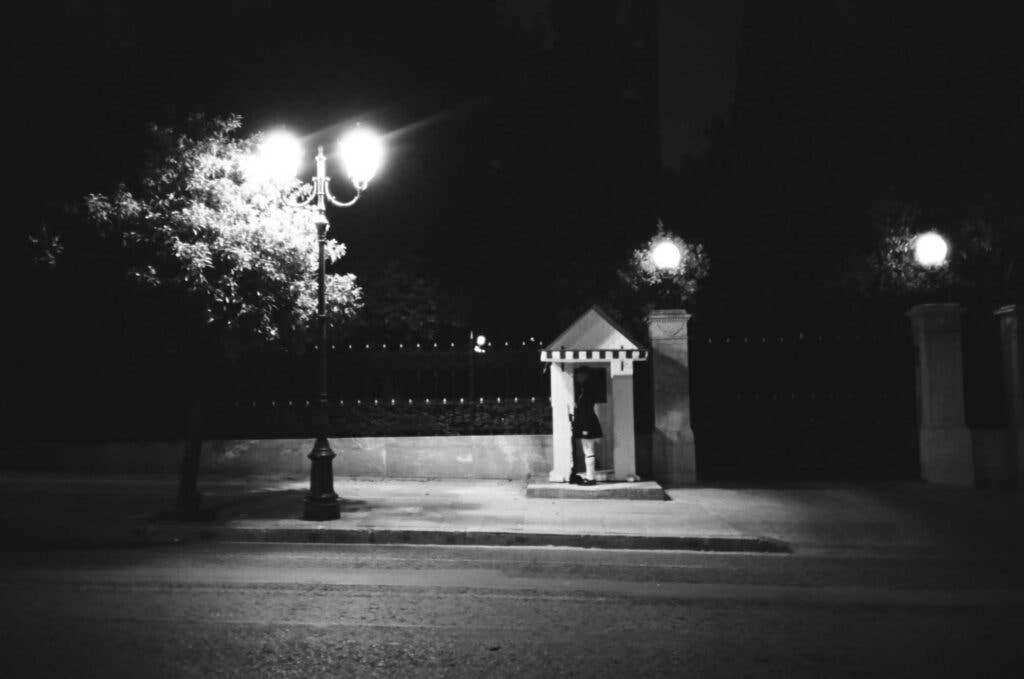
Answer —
(533, 144)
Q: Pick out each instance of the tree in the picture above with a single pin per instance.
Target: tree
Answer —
(405, 305)
(223, 255)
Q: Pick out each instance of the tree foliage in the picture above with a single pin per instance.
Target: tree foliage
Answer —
(233, 255)
(405, 305)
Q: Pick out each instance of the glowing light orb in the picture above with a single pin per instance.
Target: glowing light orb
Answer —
(278, 158)
(362, 152)
(481, 340)
(931, 250)
(666, 255)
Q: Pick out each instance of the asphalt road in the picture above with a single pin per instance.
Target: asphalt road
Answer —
(252, 610)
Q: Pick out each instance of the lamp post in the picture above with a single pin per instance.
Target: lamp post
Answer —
(477, 346)
(361, 154)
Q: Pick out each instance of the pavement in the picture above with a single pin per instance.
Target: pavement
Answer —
(892, 518)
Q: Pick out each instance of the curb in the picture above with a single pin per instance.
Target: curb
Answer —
(482, 538)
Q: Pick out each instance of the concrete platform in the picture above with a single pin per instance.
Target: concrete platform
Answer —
(613, 490)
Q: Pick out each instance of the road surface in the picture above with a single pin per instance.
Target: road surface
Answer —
(248, 610)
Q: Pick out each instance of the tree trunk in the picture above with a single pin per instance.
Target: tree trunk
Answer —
(189, 498)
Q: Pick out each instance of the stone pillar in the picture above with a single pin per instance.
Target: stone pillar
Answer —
(624, 439)
(1013, 381)
(561, 430)
(945, 441)
(673, 457)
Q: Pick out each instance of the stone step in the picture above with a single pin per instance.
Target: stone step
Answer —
(614, 490)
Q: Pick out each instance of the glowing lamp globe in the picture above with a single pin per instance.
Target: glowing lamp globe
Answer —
(481, 340)
(931, 250)
(666, 255)
(362, 152)
(278, 158)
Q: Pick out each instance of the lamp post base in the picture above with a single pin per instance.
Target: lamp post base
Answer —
(321, 502)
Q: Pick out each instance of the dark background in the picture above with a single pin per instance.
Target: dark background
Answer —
(532, 145)
(526, 146)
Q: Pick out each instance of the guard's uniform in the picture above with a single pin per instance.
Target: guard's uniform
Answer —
(587, 428)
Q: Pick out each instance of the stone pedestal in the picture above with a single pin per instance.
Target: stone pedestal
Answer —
(1013, 365)
(673, 457)
(945, 441)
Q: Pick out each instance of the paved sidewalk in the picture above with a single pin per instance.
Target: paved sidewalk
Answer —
(887, 518)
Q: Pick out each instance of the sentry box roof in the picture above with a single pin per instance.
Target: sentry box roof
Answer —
(594, 336)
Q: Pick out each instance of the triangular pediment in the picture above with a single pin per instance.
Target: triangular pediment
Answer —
(593, 330)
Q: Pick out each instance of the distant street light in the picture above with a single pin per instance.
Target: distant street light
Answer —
(931, 250)
(666, 255)
(362, 153)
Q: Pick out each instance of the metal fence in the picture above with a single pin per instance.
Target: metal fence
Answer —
(385, 372)
(833, 399)
(827, 401)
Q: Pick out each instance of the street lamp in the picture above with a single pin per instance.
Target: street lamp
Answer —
(666, 255)
(362, 153)
(931, 250)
